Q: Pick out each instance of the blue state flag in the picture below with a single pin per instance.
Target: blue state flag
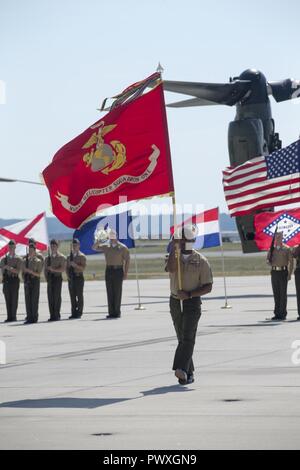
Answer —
(121, 223)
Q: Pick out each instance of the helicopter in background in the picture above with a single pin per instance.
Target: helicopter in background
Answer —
(252, 133)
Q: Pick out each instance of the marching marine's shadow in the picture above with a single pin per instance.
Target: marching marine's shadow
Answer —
(63, 402)
(87, 403)
(164, 390)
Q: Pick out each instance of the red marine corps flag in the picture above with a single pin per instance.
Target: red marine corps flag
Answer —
(124, 154)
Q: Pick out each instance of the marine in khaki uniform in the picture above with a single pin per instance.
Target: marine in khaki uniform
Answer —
(55, 265)
(11, 266)
(117, 259)
(281, 261)
(296, 254)
(76, 264)
(32, 269)
(185, 304)
(39, 255)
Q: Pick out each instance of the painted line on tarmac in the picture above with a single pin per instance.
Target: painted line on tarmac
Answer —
(115, 347)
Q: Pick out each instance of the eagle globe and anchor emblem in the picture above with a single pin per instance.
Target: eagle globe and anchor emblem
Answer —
(103, 156)
(106, 157)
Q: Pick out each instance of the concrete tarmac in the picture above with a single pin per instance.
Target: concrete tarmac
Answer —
(107, 384)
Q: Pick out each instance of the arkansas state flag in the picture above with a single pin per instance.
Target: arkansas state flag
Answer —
(124, 155)
(287, 222)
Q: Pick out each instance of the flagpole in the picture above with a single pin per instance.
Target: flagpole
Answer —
(140, 306)
(226, 306)
(177, 247)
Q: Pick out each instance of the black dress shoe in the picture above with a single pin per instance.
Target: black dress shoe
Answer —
(182, 382)
(181, 376)
(9, 321)
(190, 379)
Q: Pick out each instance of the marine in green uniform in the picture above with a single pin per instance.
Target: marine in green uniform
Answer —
(185, 303)
(117, 259)
(39, 255)
(296, 254)
(55, 265)
(11, 266)
(281, 261)
(76, 263)
(32, 268)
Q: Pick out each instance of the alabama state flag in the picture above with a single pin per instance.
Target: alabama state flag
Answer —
(124, 154)
(287, 222)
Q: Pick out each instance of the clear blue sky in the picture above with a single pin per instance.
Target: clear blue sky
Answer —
(60, 58)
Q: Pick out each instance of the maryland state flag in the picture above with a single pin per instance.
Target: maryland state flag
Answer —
(124, 154)
(287, 222)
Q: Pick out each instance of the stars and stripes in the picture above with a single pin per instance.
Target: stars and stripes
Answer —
(263, 182)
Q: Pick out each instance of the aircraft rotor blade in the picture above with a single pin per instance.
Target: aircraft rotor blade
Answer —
(284, 90)
(10, 180)
(219, 93)
(191, 102)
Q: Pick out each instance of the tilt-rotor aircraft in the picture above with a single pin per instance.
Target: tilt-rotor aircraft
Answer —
(252, 133)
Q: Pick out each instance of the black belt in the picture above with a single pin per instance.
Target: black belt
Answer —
(114, 267)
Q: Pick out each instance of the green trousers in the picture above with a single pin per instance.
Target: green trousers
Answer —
(11, 293)
(185, 323)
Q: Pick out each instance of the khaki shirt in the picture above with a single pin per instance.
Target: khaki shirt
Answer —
(14, 262)
(195, 273)
(56, 262)
(35, 264)
(78, 258)
(115, 255)
(282, 256)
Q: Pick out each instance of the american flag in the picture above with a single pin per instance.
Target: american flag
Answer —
(263, 182)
